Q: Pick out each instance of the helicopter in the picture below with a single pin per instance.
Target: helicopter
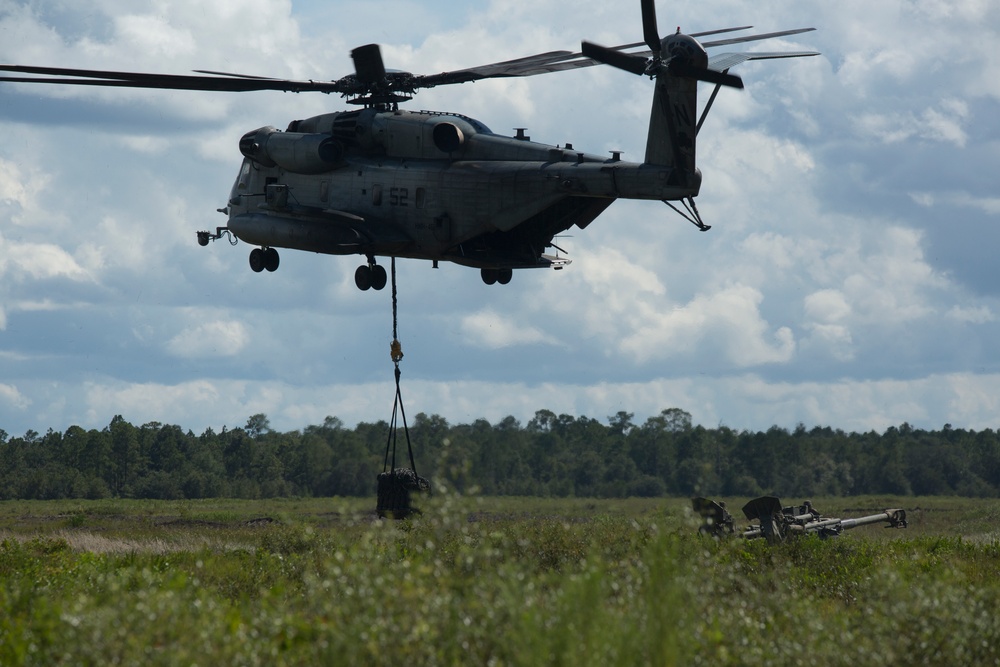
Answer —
(380, 181)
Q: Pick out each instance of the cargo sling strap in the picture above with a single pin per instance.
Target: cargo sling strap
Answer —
(395, 484)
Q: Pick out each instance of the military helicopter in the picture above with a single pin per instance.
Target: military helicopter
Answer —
(380, 181)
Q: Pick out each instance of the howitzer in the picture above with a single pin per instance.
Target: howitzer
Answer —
(717, 521)
(776, 523)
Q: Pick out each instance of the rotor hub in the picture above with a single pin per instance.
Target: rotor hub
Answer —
(681, 48)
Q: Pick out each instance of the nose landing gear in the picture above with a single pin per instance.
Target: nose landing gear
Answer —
(264, 258)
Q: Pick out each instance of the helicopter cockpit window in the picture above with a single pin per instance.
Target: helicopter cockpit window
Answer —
(376, 195)
(244, 180)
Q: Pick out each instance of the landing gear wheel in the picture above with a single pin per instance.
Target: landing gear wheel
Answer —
(271, 259)
(379, 277)
(504, 276)
(489, 276)
(257, 261)
(363, 278)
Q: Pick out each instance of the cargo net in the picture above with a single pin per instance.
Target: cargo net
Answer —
(394, 489)
(395, 485)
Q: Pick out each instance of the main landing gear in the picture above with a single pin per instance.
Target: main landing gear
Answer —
(264, 258)
(494, 276)
(370, 276)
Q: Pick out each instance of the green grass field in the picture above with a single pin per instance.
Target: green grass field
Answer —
(503, 581)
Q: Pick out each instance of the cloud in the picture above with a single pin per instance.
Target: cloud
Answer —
(148, 402)
(973, 315)
(943, 123)
(852, 199)
(37, 261)
(827, 306)
(11, 188)
(10, 395)
(969, 399)
(988, 205)
(893, 281)
(225, 338)
(154, 35)
(494, 330)
(728, 319)
(826, 311)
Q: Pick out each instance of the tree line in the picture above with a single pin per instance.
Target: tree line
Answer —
(551, 455)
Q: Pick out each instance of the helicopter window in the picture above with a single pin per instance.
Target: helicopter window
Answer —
(421, 197)
(244, 179)
(324, 191)
(377, 195)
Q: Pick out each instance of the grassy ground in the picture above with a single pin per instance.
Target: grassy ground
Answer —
(505, 581)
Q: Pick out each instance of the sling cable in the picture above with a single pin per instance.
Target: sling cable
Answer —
(396, 484)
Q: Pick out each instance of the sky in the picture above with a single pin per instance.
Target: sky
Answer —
(848, 280)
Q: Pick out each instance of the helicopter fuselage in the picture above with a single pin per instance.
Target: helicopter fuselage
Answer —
(427, 185)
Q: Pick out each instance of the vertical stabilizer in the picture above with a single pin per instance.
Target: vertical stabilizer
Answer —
(672, 126)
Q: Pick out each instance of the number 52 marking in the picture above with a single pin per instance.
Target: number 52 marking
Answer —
(399, 196)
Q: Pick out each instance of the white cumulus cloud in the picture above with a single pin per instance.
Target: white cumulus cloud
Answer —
(225, 338)
(12, 396)
(491, 329)
(729, 319)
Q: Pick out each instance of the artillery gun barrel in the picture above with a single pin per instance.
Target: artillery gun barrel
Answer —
(895, 517)
(815, 526)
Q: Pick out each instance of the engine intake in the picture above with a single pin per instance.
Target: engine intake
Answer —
(448, 138)
(293, 151)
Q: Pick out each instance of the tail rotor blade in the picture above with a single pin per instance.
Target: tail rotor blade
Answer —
(723, 79)
(625, 61)
(707, 75)
(650, 31)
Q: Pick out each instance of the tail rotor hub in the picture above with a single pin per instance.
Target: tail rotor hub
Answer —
(684, 49)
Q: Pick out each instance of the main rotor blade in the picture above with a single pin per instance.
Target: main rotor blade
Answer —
(724, 61)
(650, 31)
(603, 54)
(370, 70)
(368, 65)
(238, 84)
(234, 75)
(754, 38)
(506, 68)
(544, 63)
(706, 33)
(579, 60)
